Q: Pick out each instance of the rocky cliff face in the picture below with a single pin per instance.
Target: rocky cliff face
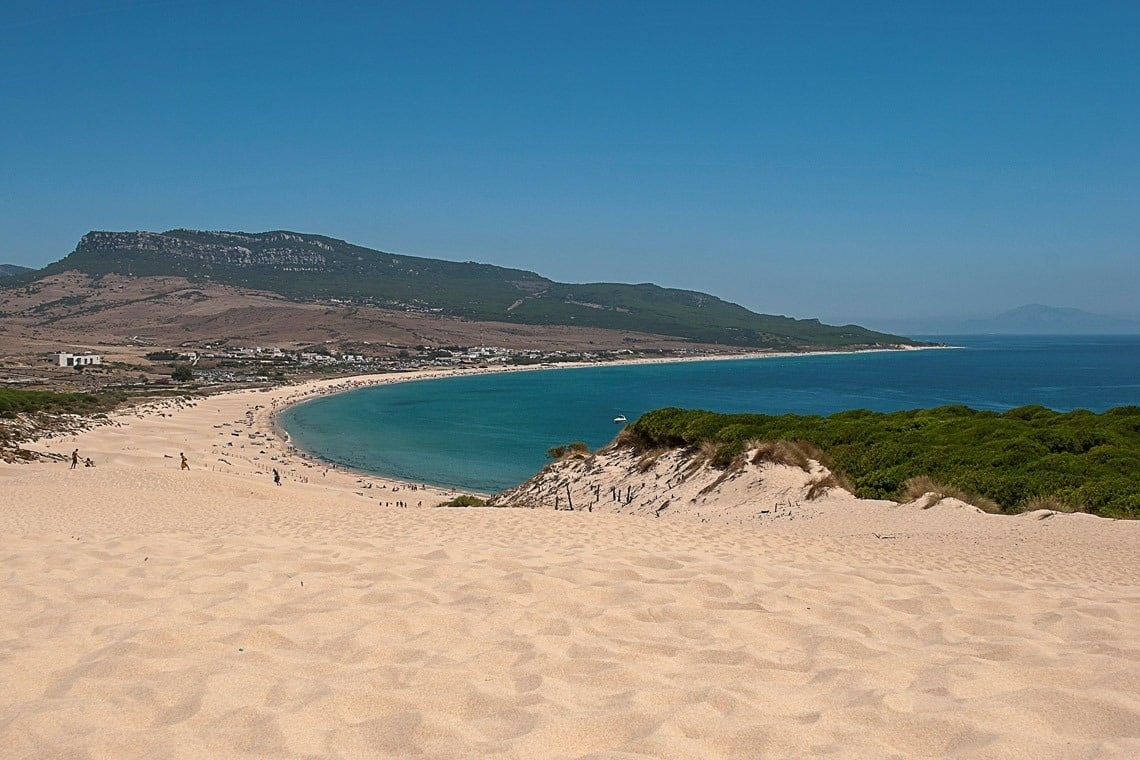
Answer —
(239, 250)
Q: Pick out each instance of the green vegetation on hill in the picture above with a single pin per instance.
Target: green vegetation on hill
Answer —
(698, 316)
(1085, 461)
(26, 414)
(13, 402)
(308, 267)
(301, 267)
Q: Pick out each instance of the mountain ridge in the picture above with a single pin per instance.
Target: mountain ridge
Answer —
(308, 267)
(11, 270)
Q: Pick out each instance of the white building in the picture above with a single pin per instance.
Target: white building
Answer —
(65, 359)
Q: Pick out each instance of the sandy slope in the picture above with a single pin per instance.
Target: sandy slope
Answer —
(150, 612)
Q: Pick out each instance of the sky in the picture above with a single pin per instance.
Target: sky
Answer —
(853, 162)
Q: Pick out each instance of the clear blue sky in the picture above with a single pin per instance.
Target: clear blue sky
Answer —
(849, 161)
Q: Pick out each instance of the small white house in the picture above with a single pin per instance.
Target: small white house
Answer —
(65, 359)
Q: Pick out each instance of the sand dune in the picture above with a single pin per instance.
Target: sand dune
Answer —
(151, 612)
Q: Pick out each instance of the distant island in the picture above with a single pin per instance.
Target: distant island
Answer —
(1051, 320)
(1030, 319)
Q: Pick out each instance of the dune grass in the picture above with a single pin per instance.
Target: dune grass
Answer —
(922, 486)
(824, 483)
(575, 450)
(792, 453)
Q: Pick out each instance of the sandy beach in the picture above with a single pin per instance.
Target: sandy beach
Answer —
(150, 611)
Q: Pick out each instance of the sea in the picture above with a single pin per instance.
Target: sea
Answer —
(484, 433)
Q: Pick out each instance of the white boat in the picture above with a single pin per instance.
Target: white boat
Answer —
(620, 418)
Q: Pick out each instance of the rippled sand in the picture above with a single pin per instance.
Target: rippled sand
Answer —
(150, 612)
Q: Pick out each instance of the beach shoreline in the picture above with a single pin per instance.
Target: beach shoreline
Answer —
(384, 379)
(152, 611)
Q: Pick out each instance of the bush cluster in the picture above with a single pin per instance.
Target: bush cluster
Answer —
(13, 402)
(1025, 456)
(465, 500)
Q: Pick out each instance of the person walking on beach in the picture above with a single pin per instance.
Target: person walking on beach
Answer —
(276, 477)
(74, 458)
(185, 464)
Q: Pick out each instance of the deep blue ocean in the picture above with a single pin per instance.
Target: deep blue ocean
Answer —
(489, 432)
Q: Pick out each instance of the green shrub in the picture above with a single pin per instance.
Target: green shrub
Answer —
(727, 453)
(465, 500)
(13, 402)
(994, 460)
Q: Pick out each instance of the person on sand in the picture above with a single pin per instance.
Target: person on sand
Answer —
(88, 463)
(185, 464)
(276, 477)
(74, 458)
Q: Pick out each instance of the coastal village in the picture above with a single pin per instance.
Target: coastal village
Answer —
(218, 365)
(259, 364)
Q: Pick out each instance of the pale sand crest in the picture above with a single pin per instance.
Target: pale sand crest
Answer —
(150, 612)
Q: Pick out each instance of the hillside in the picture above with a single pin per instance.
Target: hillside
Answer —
(72, 308)
(9, 270)
(304, 267)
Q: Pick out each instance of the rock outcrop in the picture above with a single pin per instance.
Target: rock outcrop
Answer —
(229, 249)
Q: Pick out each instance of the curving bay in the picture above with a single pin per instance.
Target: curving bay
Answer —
(489, 432)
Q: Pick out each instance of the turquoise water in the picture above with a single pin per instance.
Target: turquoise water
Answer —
(489, 432)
